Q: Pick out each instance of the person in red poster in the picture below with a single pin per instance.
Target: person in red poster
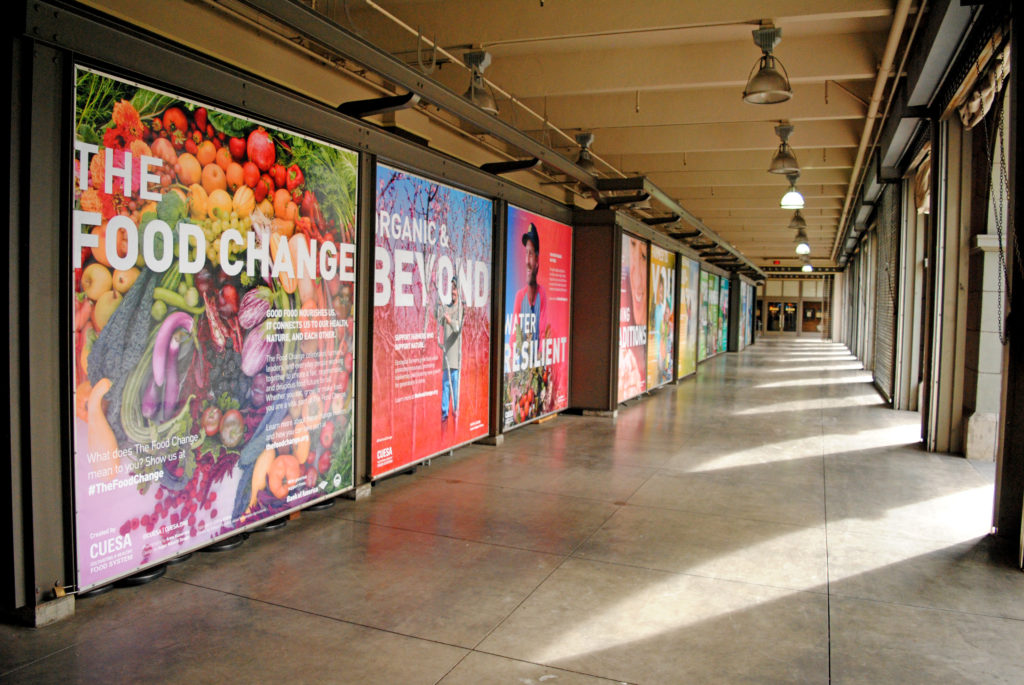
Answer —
(633, 317)
(530, 309)
(450, 316)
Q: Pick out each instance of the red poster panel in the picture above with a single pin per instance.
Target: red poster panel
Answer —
(537, 301)
(633, 319)
(661, 323)
(212, 292)
(431, 319)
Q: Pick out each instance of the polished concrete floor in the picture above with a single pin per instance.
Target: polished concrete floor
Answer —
(767, 521)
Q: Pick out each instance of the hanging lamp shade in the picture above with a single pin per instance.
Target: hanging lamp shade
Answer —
(803, 247)
(807, 268)
(798, 222)
(478, 93)
(792, 199)
(768, 83)
(784, 160)
(585, 160)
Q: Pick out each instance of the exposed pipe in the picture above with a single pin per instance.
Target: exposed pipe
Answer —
(490, 84)
(899, 21)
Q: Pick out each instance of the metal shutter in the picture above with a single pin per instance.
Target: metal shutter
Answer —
(887, 229)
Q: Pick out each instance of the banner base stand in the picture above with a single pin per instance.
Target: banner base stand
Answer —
(181, 559)
(493, 440)
(226, 544)
(276, 524)
(321, 505)
(95, 592)
(143, 577)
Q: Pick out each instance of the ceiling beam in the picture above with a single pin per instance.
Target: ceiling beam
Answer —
(812, 101)
(724, 137)
(809, 158)
(549, 25)
(675, 181)
(809, 59)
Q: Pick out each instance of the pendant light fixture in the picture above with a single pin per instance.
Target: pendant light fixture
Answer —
(792, 199)
(807, 268)
(766, 84)
(803, 247)
(478, 93)
(585, 160)
(798, 221)
(784, 161)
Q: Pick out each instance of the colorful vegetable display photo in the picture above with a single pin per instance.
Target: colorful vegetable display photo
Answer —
(213, 298)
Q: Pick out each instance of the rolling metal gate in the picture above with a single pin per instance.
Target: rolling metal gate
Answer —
(887, 229)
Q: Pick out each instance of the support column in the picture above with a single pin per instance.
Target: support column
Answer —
(1010, 467)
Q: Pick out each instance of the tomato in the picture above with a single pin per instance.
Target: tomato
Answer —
(211, 420)
(251, 174)
(176, 124)
(232, 428)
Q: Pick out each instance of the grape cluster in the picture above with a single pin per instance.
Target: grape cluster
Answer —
(226, 375)
(212, 228)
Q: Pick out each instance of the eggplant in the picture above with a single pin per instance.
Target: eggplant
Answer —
(255, 351)
(164, 337)
(254, 307)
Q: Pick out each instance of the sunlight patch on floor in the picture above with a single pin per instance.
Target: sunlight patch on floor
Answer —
(870, 399)
(802, 382)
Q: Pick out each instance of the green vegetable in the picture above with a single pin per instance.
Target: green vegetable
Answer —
(226, 402)
(121, 345)
(158, 310)
(331, 174)
(95, 99)
(174, 299)
(172, 209)
(228, 125)
(149, 104)
(141, 430)
(172, 277)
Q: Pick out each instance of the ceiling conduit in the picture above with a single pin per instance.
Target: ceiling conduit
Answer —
(343, 42)
(899, 20)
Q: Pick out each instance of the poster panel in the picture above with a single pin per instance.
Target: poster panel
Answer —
(538, 282)
(723, 315)
(714, 315)
(633, 318)
(702, 337)
(751, 303)
(431, 319)
(661, 317)
(689, 285)
(742, 336)
(212, 299)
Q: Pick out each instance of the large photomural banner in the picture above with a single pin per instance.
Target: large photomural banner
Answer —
(661, 322)
(703, 333)
(431, 319)
(689, 282)
(723, 315)
(213, 275)
(633, 318)
(537, 301)
(714, 315)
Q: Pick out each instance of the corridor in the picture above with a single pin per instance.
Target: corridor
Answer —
(767, 521)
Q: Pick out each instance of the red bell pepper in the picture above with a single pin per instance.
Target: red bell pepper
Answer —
(279, 174)
(295, 177)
